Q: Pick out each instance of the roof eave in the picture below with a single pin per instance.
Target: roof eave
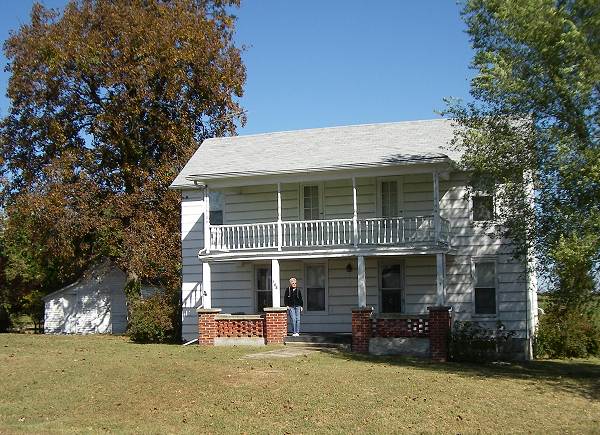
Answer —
(200, 178)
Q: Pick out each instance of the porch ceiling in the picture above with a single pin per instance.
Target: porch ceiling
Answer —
(325, 253)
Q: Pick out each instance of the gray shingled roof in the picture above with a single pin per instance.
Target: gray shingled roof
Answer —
(319, 149)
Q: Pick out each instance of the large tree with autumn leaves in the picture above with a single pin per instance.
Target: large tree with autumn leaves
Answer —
(109, 98)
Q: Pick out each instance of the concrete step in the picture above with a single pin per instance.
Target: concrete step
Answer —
(320, 338)
(318, 346)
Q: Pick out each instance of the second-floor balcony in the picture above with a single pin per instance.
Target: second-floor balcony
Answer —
(403, 232)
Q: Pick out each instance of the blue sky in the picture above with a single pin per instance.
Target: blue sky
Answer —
(337, 62)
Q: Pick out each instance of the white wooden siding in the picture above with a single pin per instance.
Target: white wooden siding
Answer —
(93, 305)
(471, 241)
(420, 289)
(418, 194)
(250, 204)
(233, 283)
(192, 240)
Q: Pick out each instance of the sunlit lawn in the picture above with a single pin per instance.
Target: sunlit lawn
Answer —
(107, 384)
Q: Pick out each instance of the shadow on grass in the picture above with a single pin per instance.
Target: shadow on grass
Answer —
(573, 376)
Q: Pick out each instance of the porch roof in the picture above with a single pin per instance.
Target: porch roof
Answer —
(321, 149)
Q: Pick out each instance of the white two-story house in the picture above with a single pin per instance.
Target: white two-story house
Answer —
(366, 215)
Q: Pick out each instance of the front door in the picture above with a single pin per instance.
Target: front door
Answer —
(391, 286)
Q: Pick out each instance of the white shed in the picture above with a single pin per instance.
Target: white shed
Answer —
(95, 304)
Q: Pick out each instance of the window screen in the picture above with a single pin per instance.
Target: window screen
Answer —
(311, 202)
(483, 208)
(485, 288)
(389, 198)
(215, 216)
(315, 287)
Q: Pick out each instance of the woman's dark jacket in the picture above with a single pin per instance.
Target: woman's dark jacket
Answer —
(293, 297)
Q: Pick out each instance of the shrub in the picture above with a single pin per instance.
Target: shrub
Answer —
(151, 319)
(470, 342)
(568, 333)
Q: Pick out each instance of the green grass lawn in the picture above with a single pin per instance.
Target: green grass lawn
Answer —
(107, 384)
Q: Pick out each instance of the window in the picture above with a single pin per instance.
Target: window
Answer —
(311, 205)
(215, 216)
(483, 207)
(264, 294)
(391, 285)
(389, 198)
(485, 287)
(316, 279)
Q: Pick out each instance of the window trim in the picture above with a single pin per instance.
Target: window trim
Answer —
(320, 186)
(399, 194)
(325, 265)
(479, 193)
(484, 259)
(380, 264)
(255, 288)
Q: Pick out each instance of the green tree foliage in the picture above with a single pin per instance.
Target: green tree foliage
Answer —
(109, 99)
(535, 123)
(151, 319)
(33, 306)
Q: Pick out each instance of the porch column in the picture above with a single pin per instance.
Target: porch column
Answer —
(279, 226)
(275, 282)
(440, 261)
(355, 212)
(362, 283)
(437, 225)
(206, 221)
(206, 286)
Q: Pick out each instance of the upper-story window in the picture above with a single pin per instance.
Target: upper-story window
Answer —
(311, 202)
(483, 207)
(390, 197)
(216, 208)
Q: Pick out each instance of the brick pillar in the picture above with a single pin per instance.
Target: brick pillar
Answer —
(207, 325)
(275, 325)
(361, 329)
(439, 332)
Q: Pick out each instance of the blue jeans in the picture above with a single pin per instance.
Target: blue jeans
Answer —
(295, 318)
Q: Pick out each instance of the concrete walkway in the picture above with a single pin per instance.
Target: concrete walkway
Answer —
(286, 352)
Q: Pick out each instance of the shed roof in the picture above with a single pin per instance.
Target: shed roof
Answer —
(101, 268)
(320, 149)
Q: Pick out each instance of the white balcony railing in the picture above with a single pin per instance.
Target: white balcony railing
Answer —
(397, 231)
(243, 236)
(306, 234)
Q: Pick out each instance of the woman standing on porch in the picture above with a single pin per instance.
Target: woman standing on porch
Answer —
(294, 303)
